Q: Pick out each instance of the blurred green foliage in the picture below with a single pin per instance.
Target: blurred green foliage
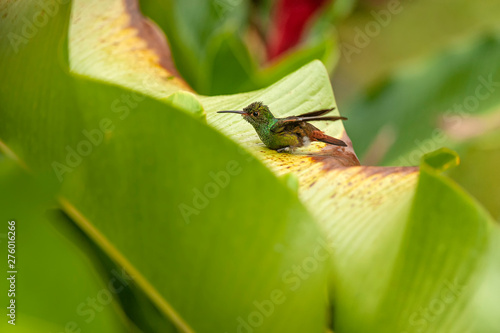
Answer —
(216, 54)
(424, 102)
(416, 87)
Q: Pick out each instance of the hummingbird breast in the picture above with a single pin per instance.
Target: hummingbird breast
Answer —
(280, 140)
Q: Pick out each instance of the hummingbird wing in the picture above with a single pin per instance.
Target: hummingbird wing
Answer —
(282, 123)
(316, 113)
(303, 129)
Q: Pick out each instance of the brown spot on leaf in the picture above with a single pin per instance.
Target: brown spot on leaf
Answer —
(387, 171)
(334, 156)
(156, 40)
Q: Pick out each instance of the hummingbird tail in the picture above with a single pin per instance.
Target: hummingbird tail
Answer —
(320, 136)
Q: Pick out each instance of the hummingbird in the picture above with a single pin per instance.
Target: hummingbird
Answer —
(281, 134)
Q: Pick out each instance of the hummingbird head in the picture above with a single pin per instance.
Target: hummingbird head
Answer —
(256, 114)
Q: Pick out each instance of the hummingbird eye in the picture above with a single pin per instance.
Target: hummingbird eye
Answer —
(255, 114)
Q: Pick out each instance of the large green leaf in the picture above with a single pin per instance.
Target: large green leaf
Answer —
(179, 209)
(57, 288)
(427, 269)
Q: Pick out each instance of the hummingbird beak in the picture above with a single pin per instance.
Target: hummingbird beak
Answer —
(239, 112)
